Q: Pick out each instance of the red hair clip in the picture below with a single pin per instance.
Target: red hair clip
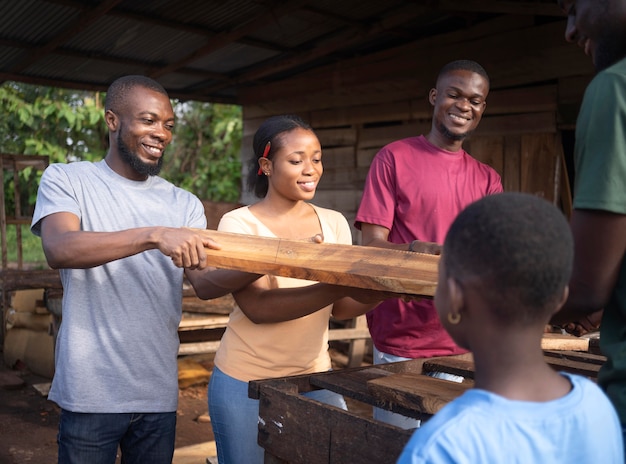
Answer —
(265, 153)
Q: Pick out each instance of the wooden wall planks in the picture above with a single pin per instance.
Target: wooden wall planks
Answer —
(360, 104)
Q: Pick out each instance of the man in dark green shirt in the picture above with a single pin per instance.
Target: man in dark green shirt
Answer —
(599, 217)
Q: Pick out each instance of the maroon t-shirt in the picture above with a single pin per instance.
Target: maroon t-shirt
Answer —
(415, 190)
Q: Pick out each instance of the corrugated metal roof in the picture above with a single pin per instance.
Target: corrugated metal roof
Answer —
(209, 49)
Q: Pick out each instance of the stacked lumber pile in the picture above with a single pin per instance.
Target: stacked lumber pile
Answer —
(28, 341)
(200, 330)
(203, 322)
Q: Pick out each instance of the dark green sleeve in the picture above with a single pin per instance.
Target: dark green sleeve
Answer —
(600, 151)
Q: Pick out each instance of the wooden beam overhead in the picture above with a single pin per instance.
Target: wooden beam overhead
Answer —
(532, 8)
(504, 54)
(225, 38)
(344, 39)
(228, 51)
(81, 23)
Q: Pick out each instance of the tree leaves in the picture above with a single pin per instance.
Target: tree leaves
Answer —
(204, 155)
(68, 125)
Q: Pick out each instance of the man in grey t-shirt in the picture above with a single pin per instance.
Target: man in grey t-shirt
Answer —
(122, 238)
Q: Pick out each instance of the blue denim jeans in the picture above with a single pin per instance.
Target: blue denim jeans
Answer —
(235, 418)
(94, 438)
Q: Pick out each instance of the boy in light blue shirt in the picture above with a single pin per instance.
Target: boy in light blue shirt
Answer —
(504, 272)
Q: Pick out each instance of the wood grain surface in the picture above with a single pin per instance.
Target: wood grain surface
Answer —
(427, 394)
(400, 272)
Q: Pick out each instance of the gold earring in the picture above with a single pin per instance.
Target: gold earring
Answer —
(454, 319)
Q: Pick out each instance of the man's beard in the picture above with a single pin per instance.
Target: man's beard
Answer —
(133, 160)
(451, 136)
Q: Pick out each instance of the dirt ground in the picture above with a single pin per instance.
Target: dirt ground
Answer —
(28, 421)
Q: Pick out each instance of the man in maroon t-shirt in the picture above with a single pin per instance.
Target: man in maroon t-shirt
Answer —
(414, 190)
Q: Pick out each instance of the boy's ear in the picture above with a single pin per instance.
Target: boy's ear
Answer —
(562, 301)
(457, 296)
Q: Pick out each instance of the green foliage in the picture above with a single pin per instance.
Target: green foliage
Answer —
(68, 125)
(204, 155)
(32, 251)
(62, 124)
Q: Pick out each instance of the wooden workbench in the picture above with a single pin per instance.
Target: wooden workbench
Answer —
(295, 429)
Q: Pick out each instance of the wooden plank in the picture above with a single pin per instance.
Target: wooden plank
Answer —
(346, 201)
(25, 279)
(466, 368)
(296, 429)
(536, 99)
(353, 383)
(344, 381)
(210, 322)
(343, 178)
(518, 124)
(555, 341)
(591, 358)
(358, 346)
(539, 158)
(502, 7)
(571, 89)
(511, 179)
(359, 114)
(348, 334)
(503, 52)
(422, 392)
(215, 306)
(329, 435)
(201, 335)
(393, 90)
(197, 348)
(12, 280)
(338, 157)
(374, 68)
(575, 367)
(336, 137)
(450, 365)
(377, 137)
(387, 102)
(400, 272)
(364, 156)
(488, 150)
(594, 346)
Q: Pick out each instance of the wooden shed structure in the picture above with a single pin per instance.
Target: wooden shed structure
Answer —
(358, 70)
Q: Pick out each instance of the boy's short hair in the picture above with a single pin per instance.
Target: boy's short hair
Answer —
(519, 250)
